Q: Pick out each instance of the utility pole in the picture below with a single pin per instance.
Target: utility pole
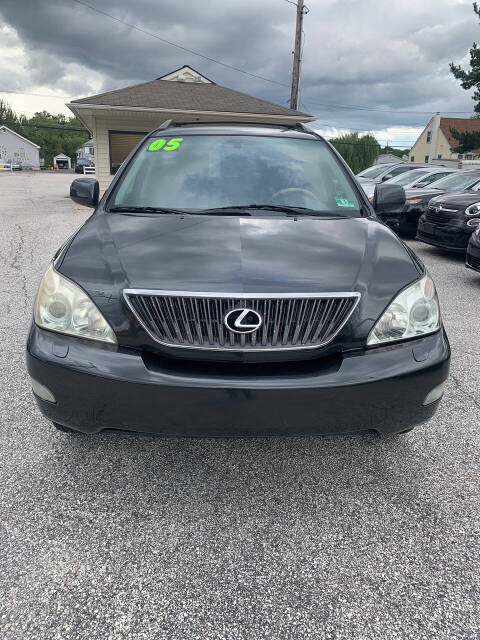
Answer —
(301, 11)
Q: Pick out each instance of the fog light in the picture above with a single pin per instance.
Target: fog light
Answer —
(42, 392)
(474, 222)
(434, 395)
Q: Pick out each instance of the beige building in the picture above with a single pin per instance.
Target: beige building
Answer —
(118, 119)
(436, 141)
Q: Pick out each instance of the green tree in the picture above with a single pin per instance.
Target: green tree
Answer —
(53, 133)
(396, 152)
(467, 141)
(470, 79)
(359, 152)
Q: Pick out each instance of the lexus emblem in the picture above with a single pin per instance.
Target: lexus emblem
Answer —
(243, 320)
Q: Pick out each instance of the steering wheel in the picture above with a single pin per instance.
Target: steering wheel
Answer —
(310, 194)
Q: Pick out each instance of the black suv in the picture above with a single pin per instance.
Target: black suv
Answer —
(234, 280)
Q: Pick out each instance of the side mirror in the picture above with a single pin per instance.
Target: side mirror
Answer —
(388, 198)
(387, 177)
(85, 191)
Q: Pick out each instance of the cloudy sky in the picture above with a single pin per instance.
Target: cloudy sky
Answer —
(378, 65)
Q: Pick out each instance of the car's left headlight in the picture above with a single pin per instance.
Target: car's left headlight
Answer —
(414, 312)
(64, 307)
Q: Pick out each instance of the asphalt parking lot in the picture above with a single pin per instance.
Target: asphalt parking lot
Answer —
(119, 536)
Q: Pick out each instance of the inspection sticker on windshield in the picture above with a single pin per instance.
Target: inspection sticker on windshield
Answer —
(345, 202)
(165, 145)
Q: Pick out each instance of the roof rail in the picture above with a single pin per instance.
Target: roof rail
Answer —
(173, 123)
(166, 125)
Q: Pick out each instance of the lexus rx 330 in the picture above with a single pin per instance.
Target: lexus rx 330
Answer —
(234, 280)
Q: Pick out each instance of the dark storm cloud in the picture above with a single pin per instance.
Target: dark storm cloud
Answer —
(384, 55)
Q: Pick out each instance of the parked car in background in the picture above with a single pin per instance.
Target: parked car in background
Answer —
(450, 220)
(383, 172)
(234, 280)
(411, 179)
(405, 220)
(473, 251)
(81, 163)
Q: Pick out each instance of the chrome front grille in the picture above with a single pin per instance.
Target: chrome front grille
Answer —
(197, 320)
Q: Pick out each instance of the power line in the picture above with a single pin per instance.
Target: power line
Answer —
(179, 46)
(41, 126)
(373, 109)
(40, 95)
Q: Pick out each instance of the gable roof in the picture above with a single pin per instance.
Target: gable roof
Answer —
(88, 143)
(4, 128)
(185, 71)
(460, 124)
(188, 96)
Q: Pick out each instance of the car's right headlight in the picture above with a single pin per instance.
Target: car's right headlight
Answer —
(414, 312)
(64, 307)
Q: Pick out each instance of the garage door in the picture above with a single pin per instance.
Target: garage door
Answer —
(121, 143)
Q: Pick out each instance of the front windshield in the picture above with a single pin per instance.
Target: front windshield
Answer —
(407, 177)
(198, 172)
(373, 172)
(455, 182)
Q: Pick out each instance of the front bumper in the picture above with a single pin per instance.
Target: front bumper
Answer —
(452, 237)
(105, 387)
(404, 222)
(473, 256)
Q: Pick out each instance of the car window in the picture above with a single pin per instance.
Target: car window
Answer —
(373, 172)
(433, 177)
(198, 172)
(407, 177)
(456, 182)
(398, 170)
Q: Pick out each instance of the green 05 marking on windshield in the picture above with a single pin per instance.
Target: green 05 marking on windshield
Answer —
(163, 145)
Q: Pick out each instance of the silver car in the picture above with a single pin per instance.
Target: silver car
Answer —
(416, 178)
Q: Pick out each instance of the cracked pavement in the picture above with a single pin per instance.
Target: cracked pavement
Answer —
(119, 536)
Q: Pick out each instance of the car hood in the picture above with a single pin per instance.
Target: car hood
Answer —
(231, 254)
(366, 180)
(457, 200)
(422, 193)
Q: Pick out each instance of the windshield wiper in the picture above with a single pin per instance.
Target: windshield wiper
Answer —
(293, 210)
(136, 209)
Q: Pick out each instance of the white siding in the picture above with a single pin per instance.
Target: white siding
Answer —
(16, 149)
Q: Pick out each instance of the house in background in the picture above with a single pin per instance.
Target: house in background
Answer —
(387, 158)
(16, 149)
(436, 141)
(118, 120)
(86, 150)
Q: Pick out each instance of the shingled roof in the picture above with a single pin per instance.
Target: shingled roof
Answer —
(461, 125)
(191, 96)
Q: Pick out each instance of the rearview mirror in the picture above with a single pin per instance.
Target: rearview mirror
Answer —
(85, 191)
(388, 198)
(387, 177)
